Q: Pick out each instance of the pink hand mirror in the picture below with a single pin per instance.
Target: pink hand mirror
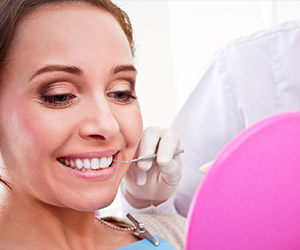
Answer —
(250, 198)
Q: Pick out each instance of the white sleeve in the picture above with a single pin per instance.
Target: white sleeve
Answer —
(206, 123)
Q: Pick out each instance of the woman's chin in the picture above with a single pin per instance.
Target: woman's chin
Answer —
(88, 204)
(91, 206)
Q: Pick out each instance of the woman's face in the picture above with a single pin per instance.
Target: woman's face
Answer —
(67, 107)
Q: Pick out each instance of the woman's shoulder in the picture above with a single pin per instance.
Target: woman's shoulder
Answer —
(170, 227)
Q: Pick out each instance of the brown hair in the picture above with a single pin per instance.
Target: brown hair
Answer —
(12, 11)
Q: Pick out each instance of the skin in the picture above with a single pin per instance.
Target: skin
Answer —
(49, 205)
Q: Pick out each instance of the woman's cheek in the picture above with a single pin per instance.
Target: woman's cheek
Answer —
(131, 126)
(44, 130)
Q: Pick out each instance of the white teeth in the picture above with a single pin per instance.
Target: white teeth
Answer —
(86, 164)
(95, 163)
(72, 163)
(103, 162)
(109, 160)
(78, 164)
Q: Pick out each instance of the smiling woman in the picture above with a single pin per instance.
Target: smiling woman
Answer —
(67, 103)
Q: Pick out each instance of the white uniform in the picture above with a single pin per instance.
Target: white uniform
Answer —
(248, 80)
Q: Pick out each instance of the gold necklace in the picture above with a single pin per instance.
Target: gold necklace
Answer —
(137, 229)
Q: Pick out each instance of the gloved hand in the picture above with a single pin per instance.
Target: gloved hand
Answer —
(205, 167)
(154, 181)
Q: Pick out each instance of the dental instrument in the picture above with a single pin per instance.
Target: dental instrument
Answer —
(148, 157)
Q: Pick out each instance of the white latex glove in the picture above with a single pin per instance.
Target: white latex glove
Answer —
(205, 167)
(154, 181)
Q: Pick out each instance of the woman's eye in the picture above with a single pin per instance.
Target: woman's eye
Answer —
(58, 101)
(123, 97)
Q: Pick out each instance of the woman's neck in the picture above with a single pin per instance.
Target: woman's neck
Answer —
(39, 225)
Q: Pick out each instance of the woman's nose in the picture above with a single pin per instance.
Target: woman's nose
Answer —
(98, 122)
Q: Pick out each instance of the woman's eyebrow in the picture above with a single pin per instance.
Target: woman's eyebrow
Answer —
(120, 68)
(77, 71)
(51, 68)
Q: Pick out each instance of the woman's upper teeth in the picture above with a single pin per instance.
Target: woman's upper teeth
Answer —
(85, 164)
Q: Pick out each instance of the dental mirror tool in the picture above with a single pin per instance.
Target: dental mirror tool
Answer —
(148, 157)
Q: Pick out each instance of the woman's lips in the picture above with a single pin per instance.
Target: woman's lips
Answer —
(90, 167)
(89, 161)
(84, 164)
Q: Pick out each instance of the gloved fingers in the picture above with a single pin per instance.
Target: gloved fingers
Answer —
(165, 142)
(148, 145)
(171, 173)
(169, 142)
(139, 176)
(205, 167)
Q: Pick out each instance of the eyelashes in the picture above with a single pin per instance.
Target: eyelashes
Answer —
(58, 101)
(61, 95)
(65, 100)
(122, 97)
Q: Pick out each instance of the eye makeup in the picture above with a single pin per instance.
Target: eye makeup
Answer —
(57, 94)
(121, 92)
(122, 97)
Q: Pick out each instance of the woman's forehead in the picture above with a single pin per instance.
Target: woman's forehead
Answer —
(85, 36)
(61, 28)
(53, 17)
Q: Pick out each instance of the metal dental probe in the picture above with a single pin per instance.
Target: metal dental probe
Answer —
(148, 157)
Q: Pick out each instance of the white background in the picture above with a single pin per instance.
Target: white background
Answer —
(176, 39)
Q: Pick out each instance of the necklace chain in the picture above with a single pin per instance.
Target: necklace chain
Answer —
(137, 229)
(123, 226)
